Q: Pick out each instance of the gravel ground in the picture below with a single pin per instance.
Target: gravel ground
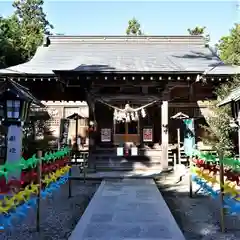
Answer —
(59, 215)
(198, 217)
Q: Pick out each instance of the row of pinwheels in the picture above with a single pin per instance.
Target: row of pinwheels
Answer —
(206, 173)
(54, 173)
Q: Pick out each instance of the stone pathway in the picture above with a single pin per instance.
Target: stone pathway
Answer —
(127, 209)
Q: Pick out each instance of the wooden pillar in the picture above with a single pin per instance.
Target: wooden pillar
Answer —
(235, 106)
(164, 126)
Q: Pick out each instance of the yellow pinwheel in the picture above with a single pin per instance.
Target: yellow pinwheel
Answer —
(31, 189)
(34, 187)
(20, 197)
(229, 189)
(199, 172)
(214, 180)
(207, 178)
(3, 208)
(53, 177)
(10, 202)
(58, 173)
(47, 180)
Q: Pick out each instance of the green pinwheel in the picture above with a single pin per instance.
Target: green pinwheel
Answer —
(4, 171)
(9, 168)
(24, 164)
(208, 157)
(32, 162)
(47, 157)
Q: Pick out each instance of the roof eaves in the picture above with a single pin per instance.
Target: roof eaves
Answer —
(233, 96)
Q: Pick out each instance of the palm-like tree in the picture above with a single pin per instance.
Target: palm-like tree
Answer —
(134, 27)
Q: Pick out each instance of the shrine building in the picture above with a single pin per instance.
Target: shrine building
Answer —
(127, 88)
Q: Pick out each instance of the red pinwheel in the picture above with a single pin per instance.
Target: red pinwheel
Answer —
(231, 176)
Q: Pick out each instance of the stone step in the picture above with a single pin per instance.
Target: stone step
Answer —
(121, 159)
(127, 165)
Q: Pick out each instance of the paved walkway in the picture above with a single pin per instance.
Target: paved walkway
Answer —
(127, 209)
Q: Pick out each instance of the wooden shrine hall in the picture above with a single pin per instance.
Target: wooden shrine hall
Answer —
(132, 86)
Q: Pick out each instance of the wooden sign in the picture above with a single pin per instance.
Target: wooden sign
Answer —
(64, 128)
(14, 149)
(106, 135)
(147, 134)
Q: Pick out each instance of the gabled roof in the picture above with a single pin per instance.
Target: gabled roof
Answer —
(16, 89)
(186, 54)
(76, 116)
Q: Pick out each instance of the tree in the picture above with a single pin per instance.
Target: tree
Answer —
(229, 46)
(33, 24)
(197, 31)
(10, 42)
(134, 27)
(23, 32)
(218, 129)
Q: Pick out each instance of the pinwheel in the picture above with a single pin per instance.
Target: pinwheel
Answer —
(212, 180)
(20, 197)
(47, 180)
(11, 202)
(231, 176)
(21, 211)
(53, 177)
(206, 188)
(31, 189)
(47, 157)
(4, 208)
(51, 156)
(207, 157)
(45, 193)
(230, 189)
(32, 202)
(32, 162)
(6, 168)
(24, 164)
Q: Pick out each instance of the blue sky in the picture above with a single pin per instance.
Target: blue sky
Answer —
(156, 17)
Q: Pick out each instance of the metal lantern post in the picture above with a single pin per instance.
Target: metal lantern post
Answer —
(15, 101)
(76, 117)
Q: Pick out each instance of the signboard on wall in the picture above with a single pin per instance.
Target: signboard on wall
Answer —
(106, 135)
(147, 134)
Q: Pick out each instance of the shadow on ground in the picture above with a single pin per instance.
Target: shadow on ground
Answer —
(198, 217)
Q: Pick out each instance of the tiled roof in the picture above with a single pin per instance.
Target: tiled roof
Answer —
(123, 54)
(233, 96)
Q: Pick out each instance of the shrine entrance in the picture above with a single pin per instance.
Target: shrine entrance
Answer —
(126, 132)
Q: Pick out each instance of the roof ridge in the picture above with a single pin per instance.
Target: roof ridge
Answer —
(184, 39)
